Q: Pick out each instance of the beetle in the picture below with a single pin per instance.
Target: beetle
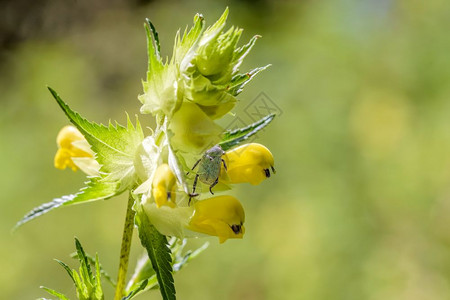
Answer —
(209, 168)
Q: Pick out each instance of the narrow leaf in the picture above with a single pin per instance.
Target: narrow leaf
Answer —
(234, 137)
(155, 38)
(96, 189)
(239, 81)
(133, 293)
(67, 268)
(55, 293)
(157, 249)
(43, 209)
(84, 262)
(98, 292)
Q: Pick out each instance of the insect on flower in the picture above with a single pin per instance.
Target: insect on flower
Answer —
(210, 163)
(209, 168)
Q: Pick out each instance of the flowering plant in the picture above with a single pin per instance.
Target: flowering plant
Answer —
(172, 173)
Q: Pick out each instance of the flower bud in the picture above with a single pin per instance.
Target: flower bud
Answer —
(72, 146)
(164, 186)
(161, 93)
(221, 216)
(215, 54)
(248, 163)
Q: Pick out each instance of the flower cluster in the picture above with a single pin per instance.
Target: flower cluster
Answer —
(175, 171)
(176, 176)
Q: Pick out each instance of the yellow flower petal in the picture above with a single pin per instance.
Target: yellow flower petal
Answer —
(248, 163)
(221, 216)
(68, 140)
(164, 186)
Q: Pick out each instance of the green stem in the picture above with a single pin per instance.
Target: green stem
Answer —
(125, 249)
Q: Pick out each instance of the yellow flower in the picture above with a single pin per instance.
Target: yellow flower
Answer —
(164, 186)
(71, 145)
(247, 163)
(221, 216)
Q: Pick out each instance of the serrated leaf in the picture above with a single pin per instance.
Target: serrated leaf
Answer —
(154, 61)
(96, 189)
(54, 293)
(239, 81)
(241, 52)
(157, 249)
(114, 145)
(43, 209)
(157, 47)
(85, 268)
(234, 137)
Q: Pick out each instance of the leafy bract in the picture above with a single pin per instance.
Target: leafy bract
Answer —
(234, 137)
(239, 81)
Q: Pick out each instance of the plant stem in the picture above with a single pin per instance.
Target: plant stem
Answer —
(125, 249)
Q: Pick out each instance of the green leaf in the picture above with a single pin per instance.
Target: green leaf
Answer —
(115, 148)
(239, 81)
(182, 260)
(88, 286)
(98, 291)
(241, 52)
(43, 209)
(96, 189)
(134, 292)
(157, 249)
(154, 60)
(234, 137)
(114, 145)
(85, 268)
(55, 293)
(155, 38)
(93, 261)
(67, 268)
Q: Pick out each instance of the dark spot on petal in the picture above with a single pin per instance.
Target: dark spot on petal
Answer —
(267, 172)
(236, 228)
(169, 195)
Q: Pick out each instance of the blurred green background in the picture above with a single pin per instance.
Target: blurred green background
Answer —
(360, 205)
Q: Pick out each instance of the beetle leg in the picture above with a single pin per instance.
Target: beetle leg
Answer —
(193, 167)
(212, 185)
(224, 164)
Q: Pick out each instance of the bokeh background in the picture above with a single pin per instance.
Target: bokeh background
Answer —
(360, 205)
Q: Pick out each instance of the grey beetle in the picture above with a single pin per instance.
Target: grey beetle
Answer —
(209, 168)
